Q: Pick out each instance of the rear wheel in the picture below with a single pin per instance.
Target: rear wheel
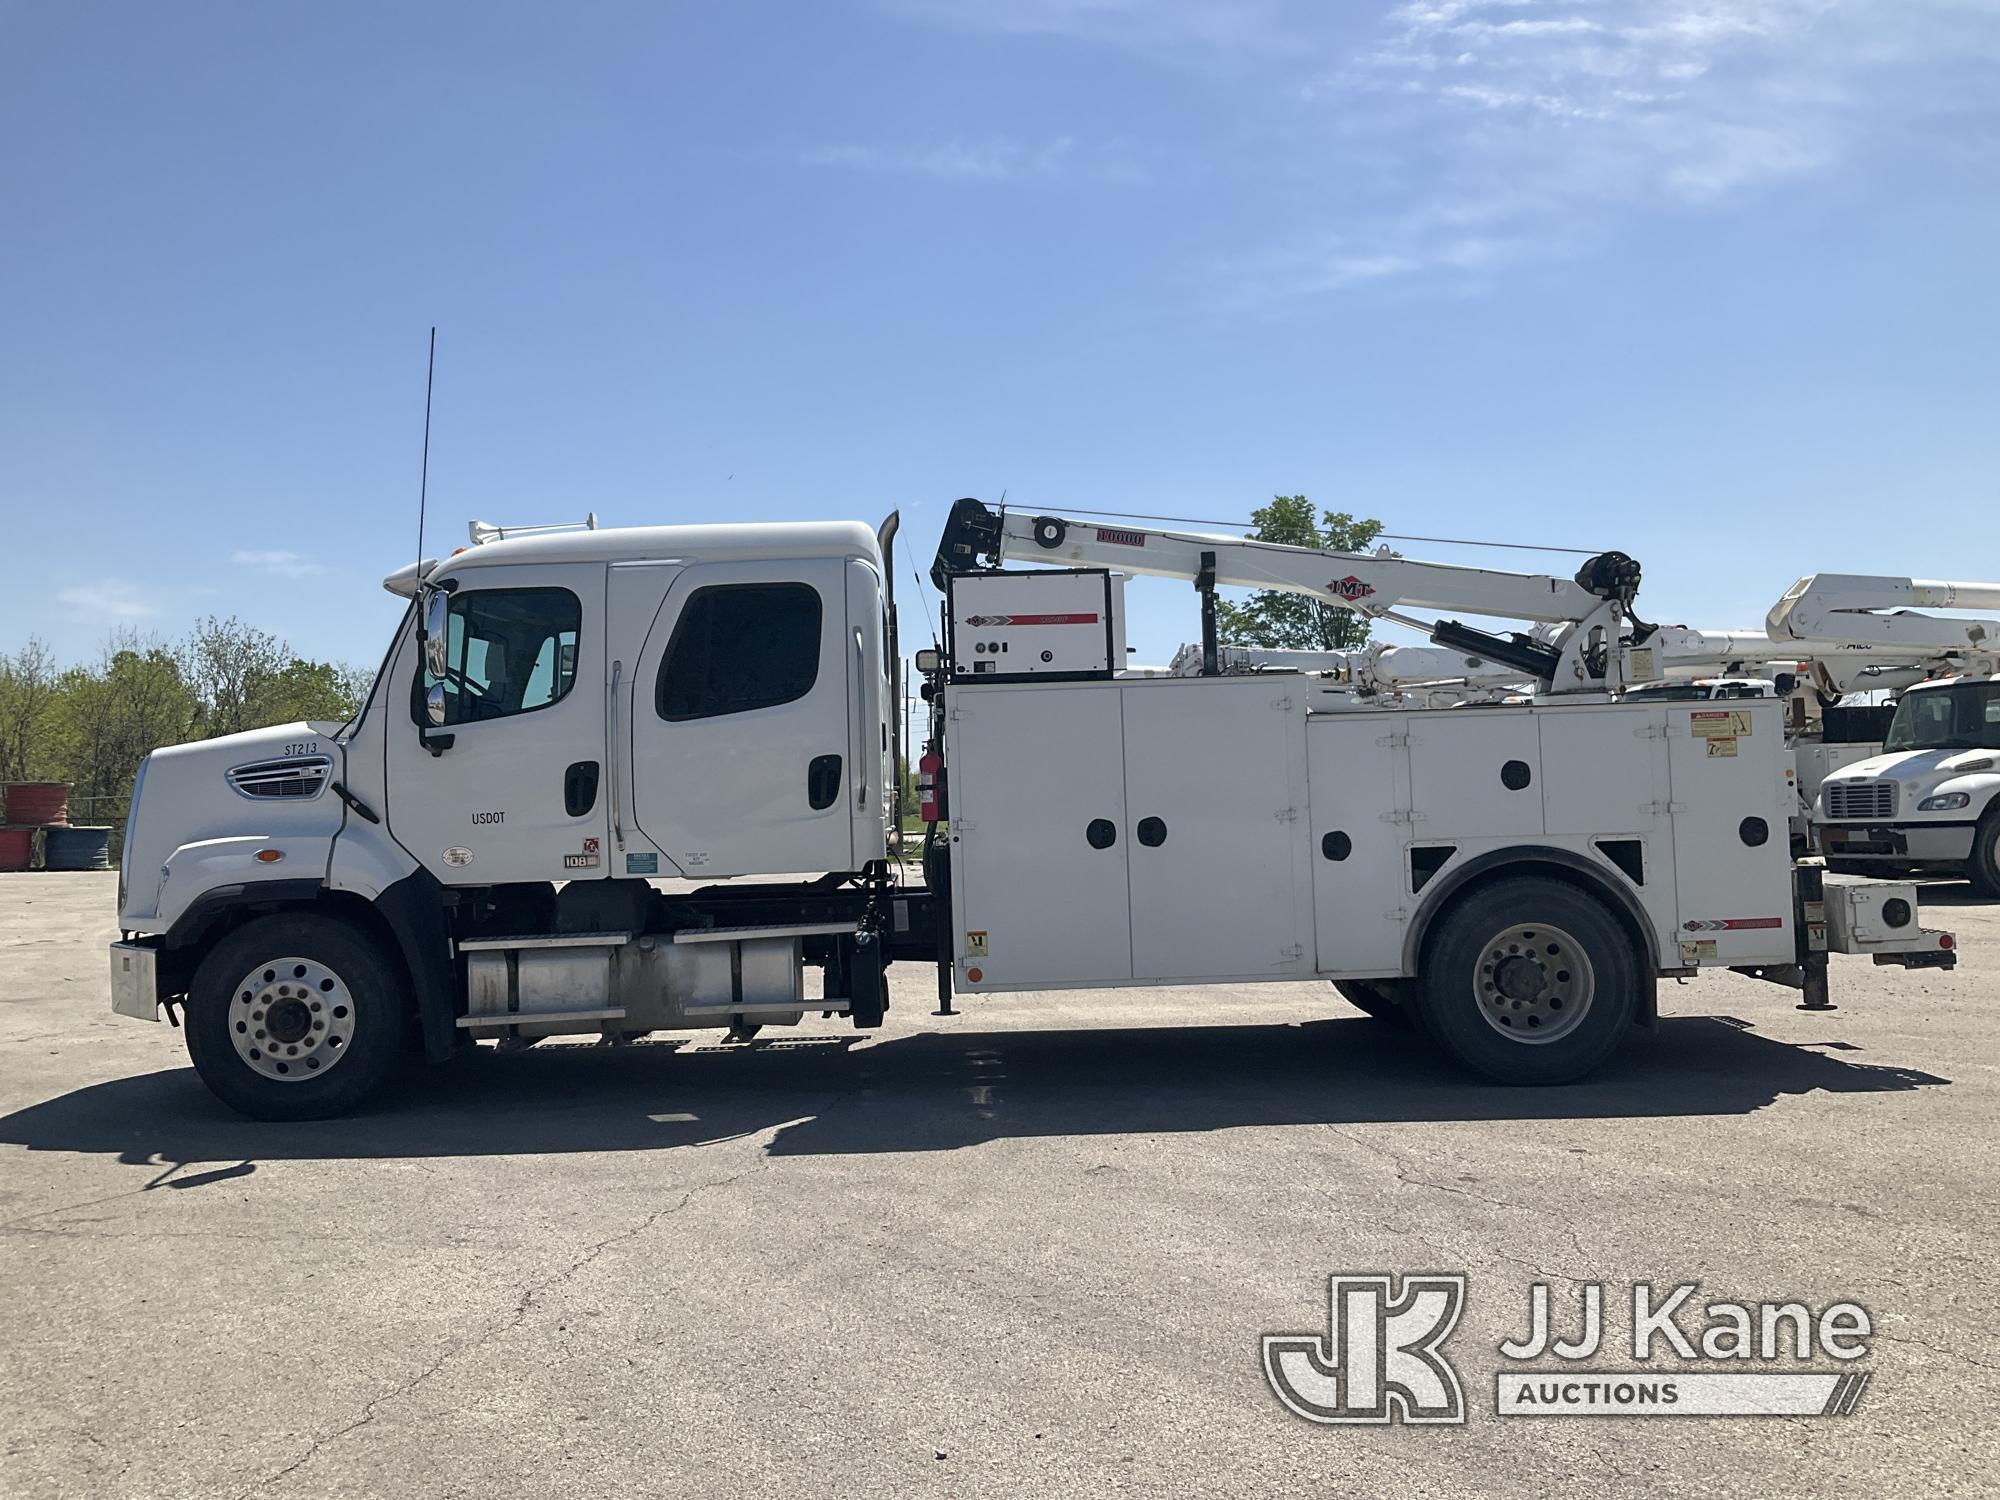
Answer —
(1529, 981)
(1384, 999)
(1984, 866)
(296, 1016)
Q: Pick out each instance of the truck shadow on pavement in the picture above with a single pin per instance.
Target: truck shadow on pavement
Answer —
(936, 1091)
(1952, 893)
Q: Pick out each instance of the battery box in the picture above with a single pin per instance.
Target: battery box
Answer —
(1060, 625)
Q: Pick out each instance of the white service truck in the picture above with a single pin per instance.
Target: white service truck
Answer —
(1930, 802)
(615, 781)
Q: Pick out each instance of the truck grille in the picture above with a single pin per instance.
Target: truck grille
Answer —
(1861, 799)
(282, 778)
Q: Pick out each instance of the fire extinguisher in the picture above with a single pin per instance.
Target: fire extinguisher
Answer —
(930, 786)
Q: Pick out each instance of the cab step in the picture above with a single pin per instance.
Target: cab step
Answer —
(541, 1017)
(754, 934)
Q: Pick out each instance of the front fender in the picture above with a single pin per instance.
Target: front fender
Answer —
(195, 872)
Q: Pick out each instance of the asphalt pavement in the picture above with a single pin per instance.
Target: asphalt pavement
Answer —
(1027, 1250)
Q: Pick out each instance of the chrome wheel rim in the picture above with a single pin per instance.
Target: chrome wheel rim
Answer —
(291, 1019)
(1534, 984)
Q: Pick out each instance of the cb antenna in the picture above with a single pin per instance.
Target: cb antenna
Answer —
(437, 744)
(424, 476)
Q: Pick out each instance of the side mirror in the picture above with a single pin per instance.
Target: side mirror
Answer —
(434, 705)
(437, 630)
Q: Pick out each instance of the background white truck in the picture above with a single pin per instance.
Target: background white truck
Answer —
(616, 781)
(1930, 802)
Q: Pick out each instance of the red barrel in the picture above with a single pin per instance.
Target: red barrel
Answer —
(37, 804)
(16, 846)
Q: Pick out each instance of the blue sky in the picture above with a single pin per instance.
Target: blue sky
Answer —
(1710, 281)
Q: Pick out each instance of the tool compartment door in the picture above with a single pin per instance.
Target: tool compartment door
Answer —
(1732, 853)
(1359, 780)
(1476, 774)
(1215, 802)
(1605, 766)
(1037, 782)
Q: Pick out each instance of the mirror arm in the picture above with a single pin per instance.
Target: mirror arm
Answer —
(437, 744)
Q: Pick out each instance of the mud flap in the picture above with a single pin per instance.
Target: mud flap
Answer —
(867, 985)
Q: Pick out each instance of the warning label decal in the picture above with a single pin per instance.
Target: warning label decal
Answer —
(1721, 728)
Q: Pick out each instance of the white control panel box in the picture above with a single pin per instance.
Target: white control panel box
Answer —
(1866, 916)
(1051, 624)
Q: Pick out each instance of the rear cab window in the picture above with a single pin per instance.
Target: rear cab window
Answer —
(738, 647)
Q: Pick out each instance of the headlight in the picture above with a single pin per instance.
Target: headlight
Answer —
(1949, 802)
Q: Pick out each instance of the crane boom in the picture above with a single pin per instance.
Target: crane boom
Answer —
(1590, 611)
(1855, 609)
(1368, 583)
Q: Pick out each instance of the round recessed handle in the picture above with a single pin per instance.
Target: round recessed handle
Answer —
(1102, 833)
(1152, 832)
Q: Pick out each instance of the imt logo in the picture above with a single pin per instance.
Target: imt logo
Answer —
(1351, 588)
(1379, 1361)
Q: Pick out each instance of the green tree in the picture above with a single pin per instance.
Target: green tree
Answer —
(28, 694)
(245, 678)
(304, 689)
(1295, 621)
(109, 716)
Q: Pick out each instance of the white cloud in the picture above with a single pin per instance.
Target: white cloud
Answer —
(282, 564)
(1551, 124)
(999, 160)
(1554, 123)
(106, 599)
(1187, 32)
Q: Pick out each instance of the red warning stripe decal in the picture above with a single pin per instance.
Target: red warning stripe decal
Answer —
(1031, 619)
(1733, 924)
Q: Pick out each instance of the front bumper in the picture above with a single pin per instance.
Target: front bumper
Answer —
(135, 981)
(1918, 843)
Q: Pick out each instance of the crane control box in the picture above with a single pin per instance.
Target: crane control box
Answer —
(1061, 625)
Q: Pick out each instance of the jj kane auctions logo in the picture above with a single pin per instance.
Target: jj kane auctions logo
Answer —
(1382, 1356)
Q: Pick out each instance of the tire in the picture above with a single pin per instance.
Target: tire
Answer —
(1983, 868)
(1384, 999)
(1530, 980)
(313, 986)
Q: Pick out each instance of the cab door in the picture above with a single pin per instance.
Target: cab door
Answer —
(742, 756)
(518, 792)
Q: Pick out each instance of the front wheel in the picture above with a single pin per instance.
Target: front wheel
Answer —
(1529, 981)
(297, 1016)
(1983, 868)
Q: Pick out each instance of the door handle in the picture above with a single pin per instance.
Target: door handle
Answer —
(580, 788)
(823, 781)
(1152, 832)
(611, 752)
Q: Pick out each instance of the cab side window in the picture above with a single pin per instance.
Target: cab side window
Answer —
(739, 646)
(510, 651)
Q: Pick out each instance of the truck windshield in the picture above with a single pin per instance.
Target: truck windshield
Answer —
(1669, 692)
(1947, 718)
